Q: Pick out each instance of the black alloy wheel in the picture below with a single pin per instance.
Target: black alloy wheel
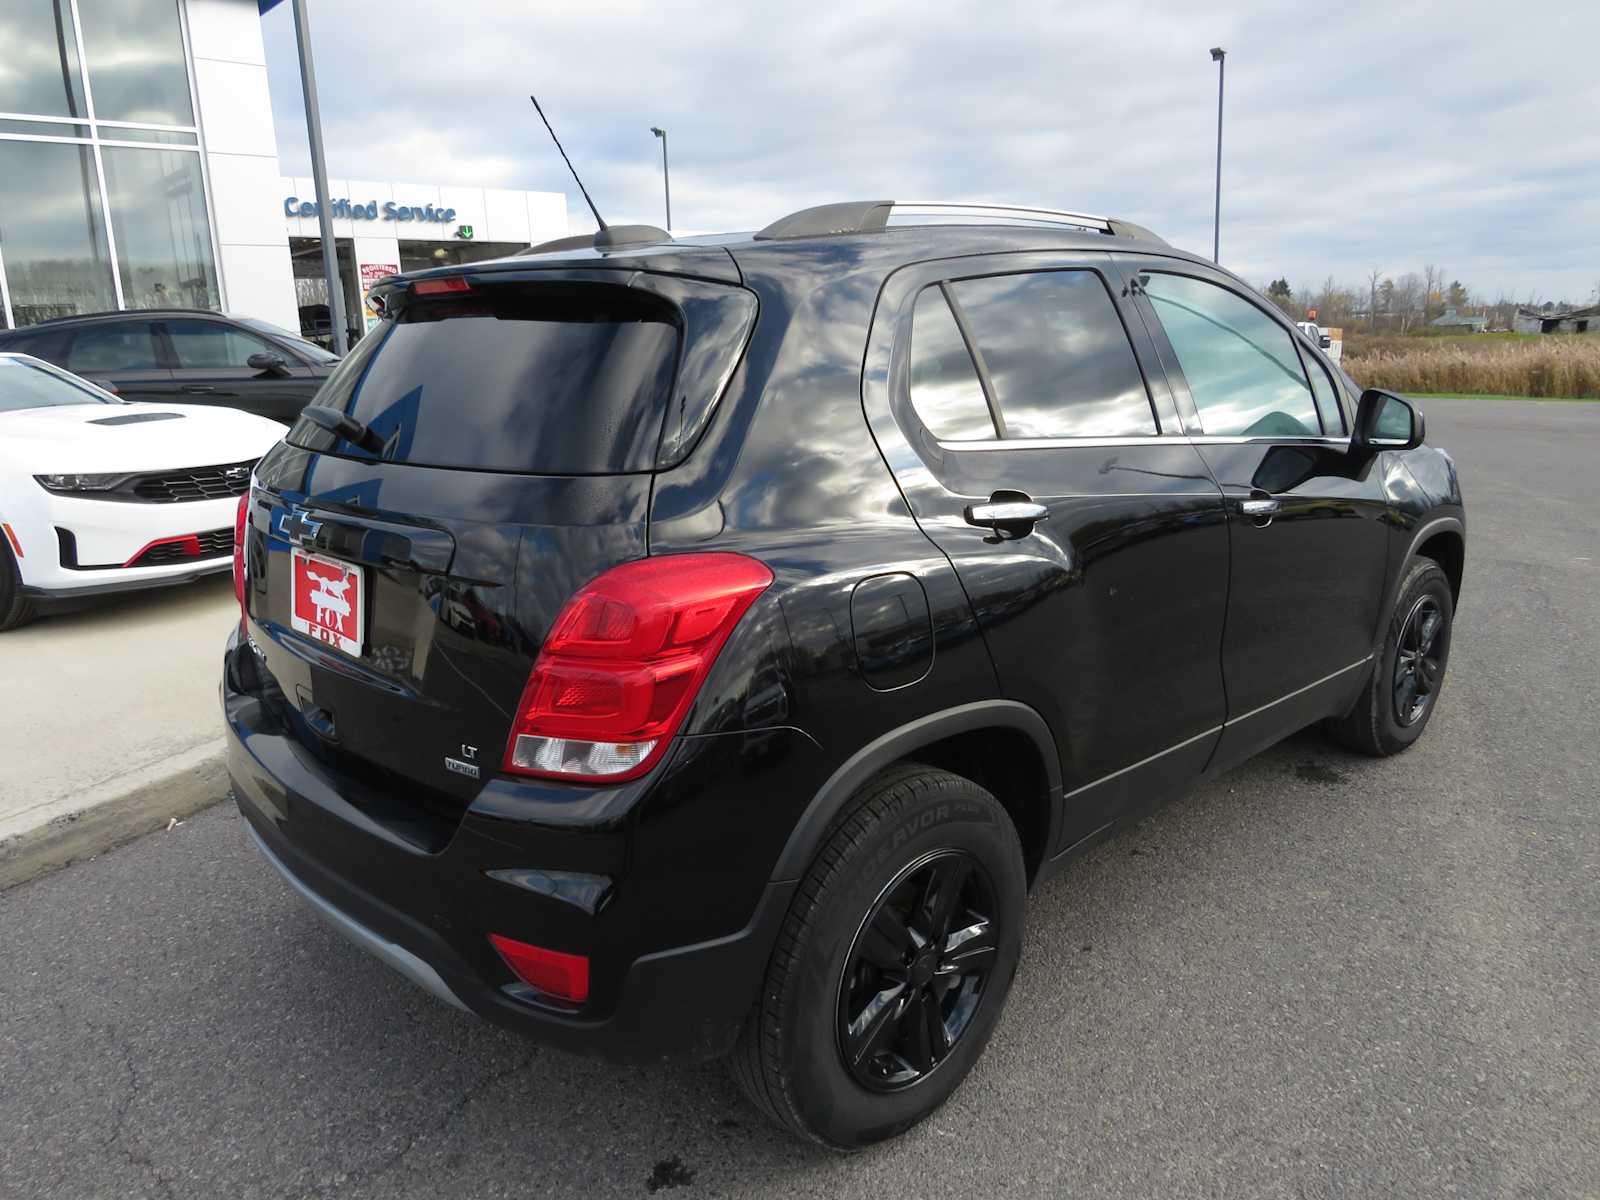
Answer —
(1419, 663)
(916, 971)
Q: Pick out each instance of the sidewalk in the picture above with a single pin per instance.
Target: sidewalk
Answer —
(109, 723)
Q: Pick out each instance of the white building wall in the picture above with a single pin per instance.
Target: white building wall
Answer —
(241, 149)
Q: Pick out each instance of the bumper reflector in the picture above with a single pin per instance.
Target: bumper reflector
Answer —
(564, 976)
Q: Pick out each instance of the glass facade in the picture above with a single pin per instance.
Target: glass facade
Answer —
(102, 196)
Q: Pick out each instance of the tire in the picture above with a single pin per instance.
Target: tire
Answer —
(15, 609)
(1383, 721)
(910, 833)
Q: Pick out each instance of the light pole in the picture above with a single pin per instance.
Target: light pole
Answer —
(1218, 56)
(666, 177)
(319, 178)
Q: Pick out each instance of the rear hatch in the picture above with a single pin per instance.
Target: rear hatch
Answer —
(400, 583)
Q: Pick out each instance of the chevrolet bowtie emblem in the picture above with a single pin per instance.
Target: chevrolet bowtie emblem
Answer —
(298, 527)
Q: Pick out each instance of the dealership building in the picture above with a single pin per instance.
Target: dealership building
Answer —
(139, 169)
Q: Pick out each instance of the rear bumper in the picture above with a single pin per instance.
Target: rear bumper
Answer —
(660, 987)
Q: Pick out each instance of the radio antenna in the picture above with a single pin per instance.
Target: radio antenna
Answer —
(598, 219)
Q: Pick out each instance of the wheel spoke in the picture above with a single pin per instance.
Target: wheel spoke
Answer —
(873, 1029)
(919, 1042)
(1430, 672)
(972, 948)
(1429, 631)
(888, 942)
(1405, 694)
(943, 894)
(938, 1035)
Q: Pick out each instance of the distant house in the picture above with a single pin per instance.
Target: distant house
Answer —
(1578, 320)
(1460, 322)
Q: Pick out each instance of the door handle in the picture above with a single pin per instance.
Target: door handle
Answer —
(1259, 507)
(1012, 514)
(198, 387)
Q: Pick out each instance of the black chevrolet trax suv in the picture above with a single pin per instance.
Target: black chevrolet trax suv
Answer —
(702, 646)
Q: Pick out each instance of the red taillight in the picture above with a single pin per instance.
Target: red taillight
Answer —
(439, 287)
(240, 521)
(622, 664)
(564, 976)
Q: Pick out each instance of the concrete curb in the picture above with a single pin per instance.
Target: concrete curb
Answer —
(109, 814)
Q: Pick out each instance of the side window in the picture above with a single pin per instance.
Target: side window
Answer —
(1327, 397)
(113, 346)
(944, 382)
(1242, 367)
(1057, 355)
(211, 344)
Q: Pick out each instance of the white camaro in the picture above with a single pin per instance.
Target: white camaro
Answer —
(100, 495)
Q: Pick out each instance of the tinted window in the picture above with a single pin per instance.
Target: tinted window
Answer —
(114, 346)
(1327, 397)
(28, 385)
(136, 68)
(944, 383)
(1241, 366)
(52, 229)
(538, 380)
(307, 350)
(158, 213)
(1057, 355)
(41, 60)
(212, 344)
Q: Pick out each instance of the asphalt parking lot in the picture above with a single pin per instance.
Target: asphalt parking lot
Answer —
(1318, 976)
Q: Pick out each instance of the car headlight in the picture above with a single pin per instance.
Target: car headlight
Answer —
(79, 483)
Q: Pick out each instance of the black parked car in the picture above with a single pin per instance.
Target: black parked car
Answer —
(184, 356)
(702, 647)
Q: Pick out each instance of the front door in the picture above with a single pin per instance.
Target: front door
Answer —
(122, 354)
(1013, 380)
(1307, 522)
(211, 364)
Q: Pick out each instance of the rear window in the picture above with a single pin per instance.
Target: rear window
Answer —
(540, 380)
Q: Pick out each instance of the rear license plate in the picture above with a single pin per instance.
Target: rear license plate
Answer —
(328, 603)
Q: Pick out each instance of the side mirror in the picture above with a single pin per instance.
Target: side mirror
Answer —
(1385, 421)
(1324, 342)
(266, 360)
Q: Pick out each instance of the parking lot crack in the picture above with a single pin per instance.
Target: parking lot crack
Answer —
(454, 1109)
(121, 1140)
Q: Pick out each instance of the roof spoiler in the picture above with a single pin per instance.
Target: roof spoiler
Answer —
(610, 238)
(869, 216)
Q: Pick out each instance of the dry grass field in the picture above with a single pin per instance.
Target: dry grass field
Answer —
(1479, 364)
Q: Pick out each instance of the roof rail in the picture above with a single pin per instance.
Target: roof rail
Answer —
(609, 238)
(869, 216)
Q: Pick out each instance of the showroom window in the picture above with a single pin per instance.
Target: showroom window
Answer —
(102, 187)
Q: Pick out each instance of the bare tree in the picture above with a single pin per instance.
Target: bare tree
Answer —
(1408, 293)
(1432, 278)
(1372, 299)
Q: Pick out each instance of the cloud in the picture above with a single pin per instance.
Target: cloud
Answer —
(1360, 135)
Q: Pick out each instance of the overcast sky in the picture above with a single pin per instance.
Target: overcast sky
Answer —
(1358, 135)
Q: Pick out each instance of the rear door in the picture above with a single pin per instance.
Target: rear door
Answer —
(123, 353)
(1015, 379)
(519, 425)
(1308, 524)
(211, 365)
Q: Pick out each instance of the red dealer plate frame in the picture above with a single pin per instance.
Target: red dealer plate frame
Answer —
(340, 619)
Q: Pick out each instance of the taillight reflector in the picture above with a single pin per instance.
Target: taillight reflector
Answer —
(564, 976)
(240, 520)
(623, 662)
(439, 287)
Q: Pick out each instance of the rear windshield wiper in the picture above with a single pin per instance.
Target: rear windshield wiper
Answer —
(346, 426)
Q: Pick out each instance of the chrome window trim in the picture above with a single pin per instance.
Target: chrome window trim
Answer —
(1157, 439)
(1231, 721)
(1298, 691)
(1132, 766)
